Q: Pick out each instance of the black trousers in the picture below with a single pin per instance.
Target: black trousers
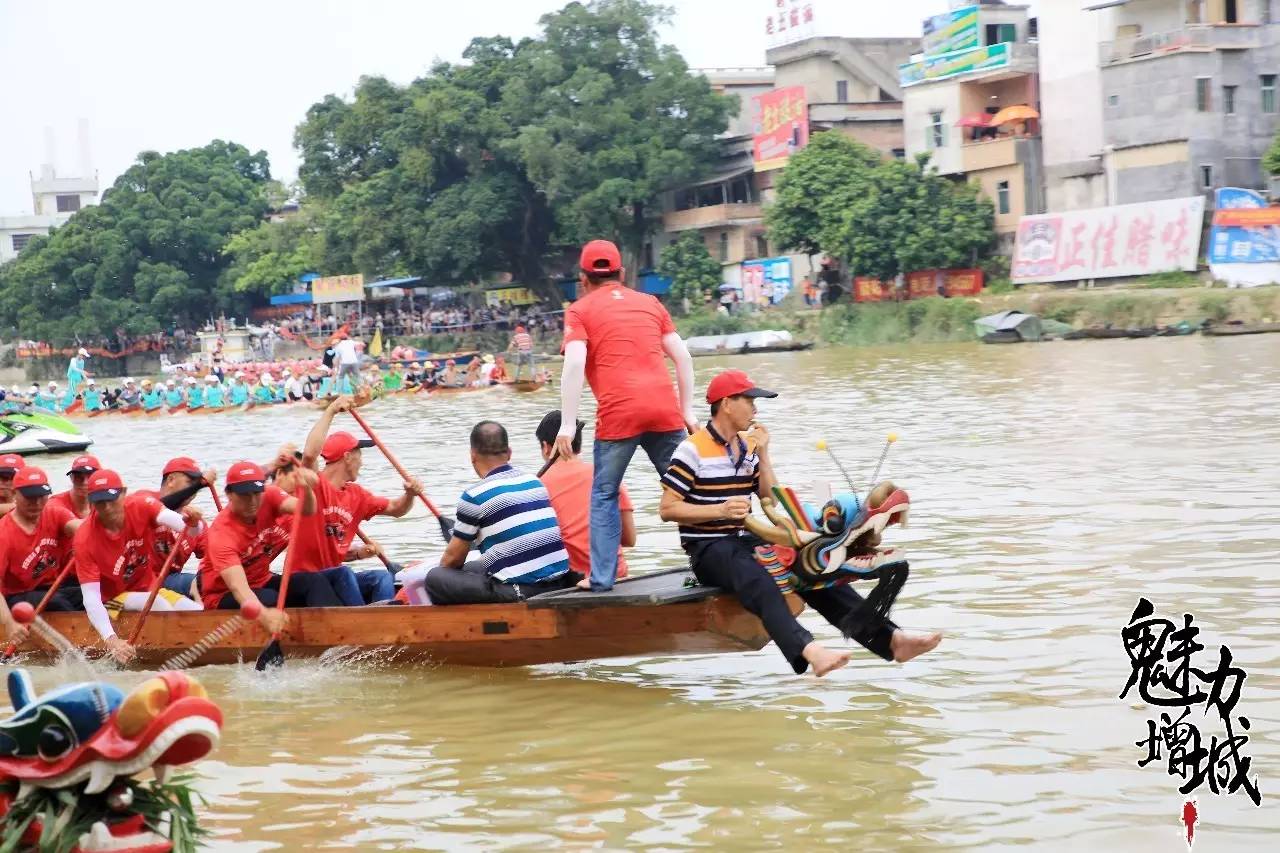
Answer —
(472, 585)
(730, 563)
(306, 589)
(66, 598)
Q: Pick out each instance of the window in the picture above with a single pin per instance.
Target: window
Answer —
(1229, 100)
(762, 246)
(1204, 102)
(1268, 93)
(937, 132)
(68, 203)
(1002, 197)
(997, 33)
(899, 153)
(842, 91)
(724, 247)
(20, 240)
(1231, 11)
(1206, 177)
(1113, 100)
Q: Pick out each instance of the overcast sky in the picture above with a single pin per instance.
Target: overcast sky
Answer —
(171, 74)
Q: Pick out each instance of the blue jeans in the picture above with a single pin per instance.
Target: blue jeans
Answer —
(345, 586)
(611, 458)
(356, 589)
(180, 582)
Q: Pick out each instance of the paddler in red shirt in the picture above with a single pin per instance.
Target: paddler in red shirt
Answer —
(115, 555)
(10, 465)
(181, 481)
(34, 541)
(76, 499)
(324, 541)
(251, 531)
(617, 338)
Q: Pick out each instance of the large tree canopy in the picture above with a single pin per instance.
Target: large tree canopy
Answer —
(150, 253)
(882, 217)
(485, 165)
(693, 272)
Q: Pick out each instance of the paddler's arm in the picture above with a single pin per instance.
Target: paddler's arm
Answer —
(402, 504)
(572, 376)
(673, 345)
(13, 631)
(455, 553)
(271, 619)
(319, 432)
(307, 480)
(760, 435)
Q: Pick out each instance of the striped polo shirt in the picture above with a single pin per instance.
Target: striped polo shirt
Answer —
(704, 471)
(509, 517)
(524, 342)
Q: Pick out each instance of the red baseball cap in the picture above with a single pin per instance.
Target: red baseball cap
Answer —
(182, 465)
(11, 463)
(600, 256)
(86, 464)
(246, 478)
(734, 383)
(105, 485)
(339, 444)
(32, 482)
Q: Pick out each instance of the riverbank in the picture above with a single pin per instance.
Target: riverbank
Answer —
(938, 320)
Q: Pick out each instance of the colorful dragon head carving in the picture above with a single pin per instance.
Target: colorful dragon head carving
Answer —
(91, 739)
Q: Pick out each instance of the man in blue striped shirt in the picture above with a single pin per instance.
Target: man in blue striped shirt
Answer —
(508, 517)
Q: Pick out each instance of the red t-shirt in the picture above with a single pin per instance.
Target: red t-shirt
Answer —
(121, 562)
(322, 539)
(231, 542)
(623, 331)
(568, 484)
(63, 499)
(31, 560)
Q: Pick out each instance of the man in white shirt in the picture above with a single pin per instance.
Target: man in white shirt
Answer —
(347, 360)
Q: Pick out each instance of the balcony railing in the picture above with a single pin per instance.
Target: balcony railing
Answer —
(993, 153)
(1191, 37)
(711, 216)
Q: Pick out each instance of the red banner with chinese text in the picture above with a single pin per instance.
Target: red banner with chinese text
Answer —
(920, 285)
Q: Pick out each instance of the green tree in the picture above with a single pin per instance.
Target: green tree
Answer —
(494, 163)
(692, 270)
(150, 253)
(268, 259)
(812, 190)
(1271, 160)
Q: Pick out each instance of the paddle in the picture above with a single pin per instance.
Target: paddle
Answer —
(272, 655)
(446, 523)
(155, 588)
(44, 602)
(381, 556)
(249, 612)
(555, 455)
(217, 501)
(25, 614)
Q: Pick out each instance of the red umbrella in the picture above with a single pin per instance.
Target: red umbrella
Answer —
(975, 120)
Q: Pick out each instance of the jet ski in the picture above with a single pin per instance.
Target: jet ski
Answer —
(35, 430)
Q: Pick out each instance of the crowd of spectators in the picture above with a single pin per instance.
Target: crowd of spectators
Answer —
(546, 318)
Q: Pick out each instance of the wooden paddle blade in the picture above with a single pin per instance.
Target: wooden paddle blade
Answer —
(272, 656)
(446, 526)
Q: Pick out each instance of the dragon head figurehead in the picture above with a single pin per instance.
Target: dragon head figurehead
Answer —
(92, 739)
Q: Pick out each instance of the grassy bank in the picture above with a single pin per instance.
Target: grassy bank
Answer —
(938, 320)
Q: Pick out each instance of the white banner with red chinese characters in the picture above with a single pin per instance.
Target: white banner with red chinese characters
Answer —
(1104, 242)
(789, 21)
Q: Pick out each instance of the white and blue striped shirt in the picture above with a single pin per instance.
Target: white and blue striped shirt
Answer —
(509, 517)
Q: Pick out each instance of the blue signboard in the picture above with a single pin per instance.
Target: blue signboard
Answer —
(1232, 241)
(768, 276)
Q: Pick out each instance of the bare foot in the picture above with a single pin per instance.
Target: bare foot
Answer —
(823, 659)
(907, 646)
(585, 584)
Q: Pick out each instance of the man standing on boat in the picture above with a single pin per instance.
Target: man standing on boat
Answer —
(617, 338)
(324, 540)
(76, 374)
(34, 541)
(346, 359)
(522, 343)
(509, 518)
(707, 491)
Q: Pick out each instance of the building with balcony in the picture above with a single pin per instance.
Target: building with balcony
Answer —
(851, 85)
(976, 111)
(1188, 93)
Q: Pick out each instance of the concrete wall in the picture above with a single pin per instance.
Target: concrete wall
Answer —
(1071, 82)
(919, 102)
(884, 136)
(1075, 192)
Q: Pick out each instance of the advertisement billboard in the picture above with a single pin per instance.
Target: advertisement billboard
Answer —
(781, 126)
(951, 31)
(1245, 229)
(766, 277)
(952, 64)
(1104, 242)
(337, 288)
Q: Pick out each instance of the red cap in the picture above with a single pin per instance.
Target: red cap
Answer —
(11, 463)
(600, 256)
(32, 482)
(105, 485)
(246, 478)
(182, 465)
(734, 383)
(86, 464)
(339, 444)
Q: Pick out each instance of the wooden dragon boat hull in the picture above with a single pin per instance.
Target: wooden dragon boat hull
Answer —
(648, 615)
